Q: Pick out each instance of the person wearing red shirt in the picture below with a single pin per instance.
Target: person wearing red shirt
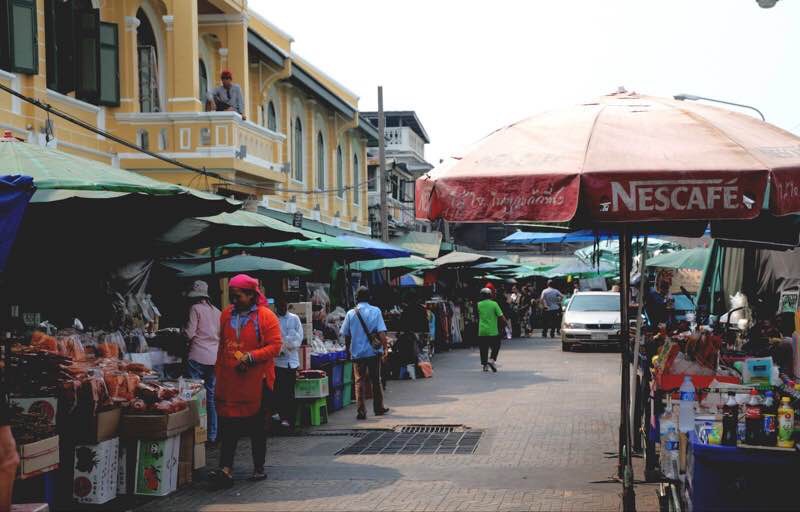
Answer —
(250, 339)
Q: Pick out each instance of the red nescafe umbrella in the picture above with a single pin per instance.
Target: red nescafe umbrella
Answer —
(624, 163)
(623, 158)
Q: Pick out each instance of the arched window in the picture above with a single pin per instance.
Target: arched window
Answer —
(202, 93)
(320, 161)
(272, 119)
(297, 143)
(356, 180)
(339, 173)
(149, 100)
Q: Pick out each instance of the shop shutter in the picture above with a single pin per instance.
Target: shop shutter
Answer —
(22, 36)
(109, 64)
(87, 30)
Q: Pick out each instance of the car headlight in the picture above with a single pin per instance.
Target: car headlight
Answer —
(571, 325)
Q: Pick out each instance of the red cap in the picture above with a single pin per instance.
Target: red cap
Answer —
(226, 73)
(490, 286)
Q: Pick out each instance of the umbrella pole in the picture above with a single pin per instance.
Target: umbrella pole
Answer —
(214, 282)
(637, 348)
(625, 461)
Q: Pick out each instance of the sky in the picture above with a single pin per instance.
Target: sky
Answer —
(470, 67)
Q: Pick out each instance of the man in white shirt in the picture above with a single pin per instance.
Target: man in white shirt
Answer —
(287, 362)
(551, 299)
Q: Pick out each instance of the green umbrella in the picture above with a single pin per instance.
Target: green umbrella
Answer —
(581, 269)
(59, 176)
(409, 263)
(695, 259)
(608, 250)
(244, 264)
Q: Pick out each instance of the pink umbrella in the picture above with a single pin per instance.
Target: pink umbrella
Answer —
(622, 158)
(628, 163)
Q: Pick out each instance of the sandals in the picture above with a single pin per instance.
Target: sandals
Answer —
(219, 479)
(259, 475)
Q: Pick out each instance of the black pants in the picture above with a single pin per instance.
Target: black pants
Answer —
(231, 429)
(284, 393)
(551, 321)
(489, 342)
(365, 369)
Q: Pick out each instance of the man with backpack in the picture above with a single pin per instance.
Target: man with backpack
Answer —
(365, 336)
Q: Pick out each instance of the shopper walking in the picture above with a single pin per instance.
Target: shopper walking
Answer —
(249, 342)
(490, 321)
(551, 300)
(287, 362)
(202, 331)
(365, 336)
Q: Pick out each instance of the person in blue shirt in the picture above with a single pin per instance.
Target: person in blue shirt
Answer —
(366, 359)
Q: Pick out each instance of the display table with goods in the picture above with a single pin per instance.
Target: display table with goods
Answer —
(719, 425)
(91, 424)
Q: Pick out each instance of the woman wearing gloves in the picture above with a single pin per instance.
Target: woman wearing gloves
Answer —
(250, 339)
(287, 362)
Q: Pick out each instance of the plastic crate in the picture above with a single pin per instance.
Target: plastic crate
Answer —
(336, 375)
(733, 478)
(311, 388)
(336, 398)
(347, 394)
(347, 372)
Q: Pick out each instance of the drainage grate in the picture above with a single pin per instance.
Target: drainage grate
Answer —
(417, 439)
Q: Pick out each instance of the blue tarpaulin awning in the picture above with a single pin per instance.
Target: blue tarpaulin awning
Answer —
(15, 192)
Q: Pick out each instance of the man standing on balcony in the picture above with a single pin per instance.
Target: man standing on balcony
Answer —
(228, 96)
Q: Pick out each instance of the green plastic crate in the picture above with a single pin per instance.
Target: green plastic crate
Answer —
(347, 373)
(347, 394)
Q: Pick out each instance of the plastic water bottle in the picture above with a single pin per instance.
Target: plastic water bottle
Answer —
(669, 455)
(688, 401)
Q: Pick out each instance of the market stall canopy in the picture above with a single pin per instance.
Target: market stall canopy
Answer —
(409, 263)
(15, 192)
(62, 177)
(314, 252)
(411, 280)
(531, 237)
(426, 244)
(608, 250)
(623, 158)
(695, 259)
(581, 269)
(242, 226)
(498, 264)
(462, 259)
(245, 263)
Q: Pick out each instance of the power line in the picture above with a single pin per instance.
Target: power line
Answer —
(204, 172)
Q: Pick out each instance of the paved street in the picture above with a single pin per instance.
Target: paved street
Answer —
(550, 422)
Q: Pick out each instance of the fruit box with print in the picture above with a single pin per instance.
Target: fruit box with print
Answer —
(156, 471)
(96, 472)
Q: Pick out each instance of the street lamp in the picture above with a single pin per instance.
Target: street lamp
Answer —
(692, 97)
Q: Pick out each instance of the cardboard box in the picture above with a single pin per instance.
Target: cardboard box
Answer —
(200, 435)
(185, 457)
(96, 472)
(100, 427)
(46, 406)
(308, 333)
(127, 467)
(305, 357)
(303, 310)
(157, 426)
(199, 455)
(311, 388)
(156, 472)
(37, 458)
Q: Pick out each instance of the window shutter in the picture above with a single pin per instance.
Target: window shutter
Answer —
(51, 43)
(60, 46)
(87, 31)
(109, 64)
(23, 41)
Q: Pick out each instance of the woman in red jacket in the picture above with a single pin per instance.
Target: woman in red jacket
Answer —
(250, 339)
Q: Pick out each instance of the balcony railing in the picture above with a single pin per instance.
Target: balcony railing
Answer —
(404, 139)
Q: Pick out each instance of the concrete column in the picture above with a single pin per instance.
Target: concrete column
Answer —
(237, 59)
(129, 66)
(182, 57)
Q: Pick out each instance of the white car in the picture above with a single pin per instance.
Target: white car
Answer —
(591, 319)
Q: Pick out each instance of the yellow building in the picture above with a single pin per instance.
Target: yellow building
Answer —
(143, 69)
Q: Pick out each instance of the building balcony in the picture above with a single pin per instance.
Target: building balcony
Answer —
(404, 140)
(216, 140)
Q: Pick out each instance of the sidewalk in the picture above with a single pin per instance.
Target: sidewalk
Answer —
(549, 419)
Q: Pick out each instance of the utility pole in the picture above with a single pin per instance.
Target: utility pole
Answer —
(382, 173)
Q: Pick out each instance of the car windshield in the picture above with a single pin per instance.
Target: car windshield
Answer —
(595, 303)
